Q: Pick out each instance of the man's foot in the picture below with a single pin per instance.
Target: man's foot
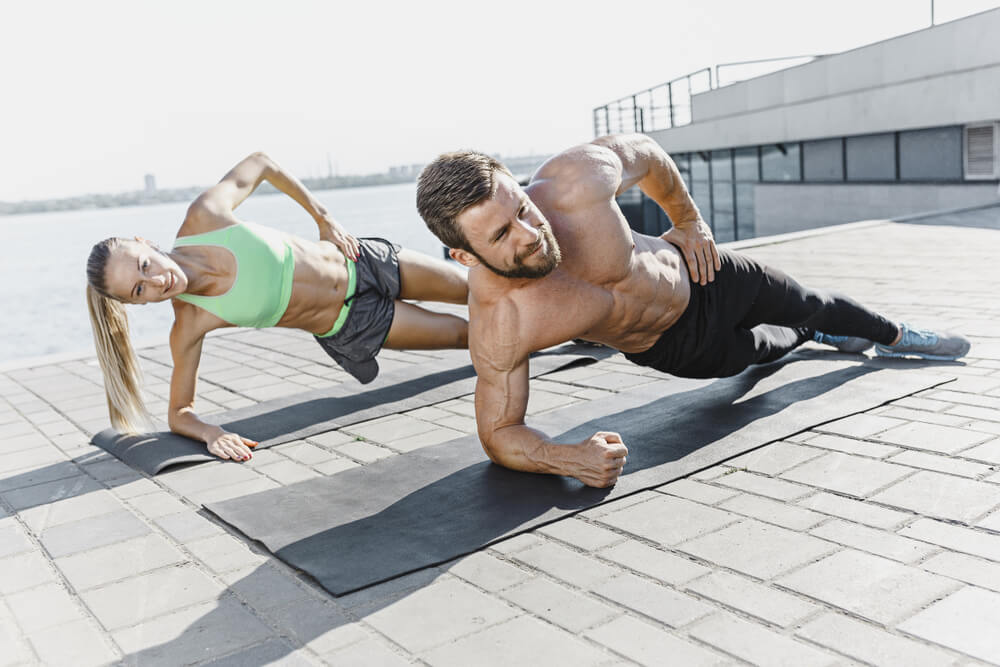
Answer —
(925, 344)
(851, 344)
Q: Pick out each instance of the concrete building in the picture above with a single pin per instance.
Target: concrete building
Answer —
(907, 125)
(150, 184)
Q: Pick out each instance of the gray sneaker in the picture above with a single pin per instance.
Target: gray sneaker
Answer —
(925, 344)
(851, 344)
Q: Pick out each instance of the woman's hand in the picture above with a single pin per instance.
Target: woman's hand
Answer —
(330, 230)
(231, 446)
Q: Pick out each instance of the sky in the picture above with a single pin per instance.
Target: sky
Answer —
(93, 95)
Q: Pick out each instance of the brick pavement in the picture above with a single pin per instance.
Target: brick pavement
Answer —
(871, 540)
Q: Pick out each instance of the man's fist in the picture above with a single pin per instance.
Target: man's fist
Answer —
(601, 459)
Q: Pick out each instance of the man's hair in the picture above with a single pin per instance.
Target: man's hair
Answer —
(451, 184)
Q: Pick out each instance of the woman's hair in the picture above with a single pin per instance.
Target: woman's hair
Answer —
(109, 321)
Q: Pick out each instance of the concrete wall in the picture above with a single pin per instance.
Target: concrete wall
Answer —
(945, 75)
(781, 208)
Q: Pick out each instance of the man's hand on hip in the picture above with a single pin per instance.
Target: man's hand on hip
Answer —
(696, 242)
(600, 460)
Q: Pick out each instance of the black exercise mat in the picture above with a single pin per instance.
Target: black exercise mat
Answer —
(302, 415)
(373, 523)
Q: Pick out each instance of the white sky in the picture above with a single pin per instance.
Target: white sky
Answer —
(96, 93)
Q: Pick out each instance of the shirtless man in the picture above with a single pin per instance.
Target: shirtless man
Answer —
(557, 261)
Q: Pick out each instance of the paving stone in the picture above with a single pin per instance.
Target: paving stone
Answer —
(973, 412)
(78, 507)
(753, 598)
(367, 653)
(756, 644)
(874, 541)
(667, 519)
(438, 613)
(764, 486)
(565, 564)
(99, 531)
(581, 534)
(380, 595)
(79, 644)
(851, 446)
(772, 511)
(488, 572)
(273, 652)
(224, 553)
(965, 621)
(265, 586)
(30, 458)
(965, 568)
(946, 439)
(938, 463)
(48, 492)
(653, 600)
(391, 428)
(957, 538)
(660, 565)
(31, 477)
(758, 549)
(44, 607)
(991, 522)
(288, 472)
(520, 641)
(908, 414)
(434, 436)
(860, 426)
(303, 452)
(697, 491)
(560, 605)
(187, 526)
(965, 398)
(191, 635)
(621, 503)
(774, 458)
(23, 571)
(648, 645)
(364, 451)
(331, 438)
(847, 579)
(988, 451)
(13, 539)
(336, 465)
(316, 623)
(871, 644)
(149, 595)
(852, 475)
(228, 491)
(158, 504)
(459, 423)
(945, 496)
(135, 488)
(857, 511)
(118, 561)
(206, 476)
(111, 470)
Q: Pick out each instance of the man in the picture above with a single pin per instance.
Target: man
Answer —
(557, 261)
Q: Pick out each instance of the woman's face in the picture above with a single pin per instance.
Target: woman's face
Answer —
(138, 272)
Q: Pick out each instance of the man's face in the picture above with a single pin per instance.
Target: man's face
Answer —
(508, 234)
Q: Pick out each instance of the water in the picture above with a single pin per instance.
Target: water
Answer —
(43, 259)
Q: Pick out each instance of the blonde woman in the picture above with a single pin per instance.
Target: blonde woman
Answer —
(224, 272)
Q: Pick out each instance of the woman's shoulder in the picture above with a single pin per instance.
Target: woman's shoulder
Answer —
(200, 218)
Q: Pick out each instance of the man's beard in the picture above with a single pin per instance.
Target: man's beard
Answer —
(550, 260)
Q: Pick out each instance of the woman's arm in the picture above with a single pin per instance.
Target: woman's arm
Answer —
(223, 198)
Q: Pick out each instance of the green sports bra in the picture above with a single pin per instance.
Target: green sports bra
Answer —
(265, 267)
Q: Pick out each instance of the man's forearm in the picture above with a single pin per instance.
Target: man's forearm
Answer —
(523, 448)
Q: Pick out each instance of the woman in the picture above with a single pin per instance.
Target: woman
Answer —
(223, 272)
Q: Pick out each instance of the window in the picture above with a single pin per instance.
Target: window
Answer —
(747, 166)
(871, 157)
(931, 155)
(780, 162)
(823, 160)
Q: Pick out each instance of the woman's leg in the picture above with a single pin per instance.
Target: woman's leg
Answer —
(416, 328)
(424, 278)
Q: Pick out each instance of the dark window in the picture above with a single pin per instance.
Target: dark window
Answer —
(722, 166)
(780, 162)
(744, 210)
(723, 231)
(747, 165)
(931, 155)
(871, 157)
(823, 160)
(699, 166)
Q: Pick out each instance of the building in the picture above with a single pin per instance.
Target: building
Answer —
(907, 125)
(150, 181)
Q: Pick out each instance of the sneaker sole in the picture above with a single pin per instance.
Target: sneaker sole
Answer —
(919, 355)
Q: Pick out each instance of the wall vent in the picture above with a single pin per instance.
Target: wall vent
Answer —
(981, 151)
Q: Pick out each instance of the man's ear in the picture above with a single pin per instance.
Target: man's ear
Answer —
(463, 257)
(141, 240)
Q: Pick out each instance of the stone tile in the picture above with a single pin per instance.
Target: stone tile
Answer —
(763, 486)
(44, 607)
(667, 520)
(149, 595)
(272, 652)
(439, 613)
(136, 488)
(331, 438)
(224, 553)
(965, 621)
(334, 466)
(78, 507)
(375, 597)
(946, 439)
(945, 496)
(774, 458)
(939, 463)
(756, 644)
(459, 423)
(118, 561)
(991, 522)
(79, 644)
(30, 458)
(621, 503)
(265, 586)
(874, 541)
(648, 645)
(953, 537)
(852, 475)
(111, 470)
(99, 531)
(908, 414)
(581, 534)
(848, 578)
(560, 605)
(217, 494)
(857, 511)
(661, 565)
(23, 571)
(364, 451)
(988, 451)
(565, 564)
(30, 477)
(653, 600)
(13, 539)
(304, 452)
(488, 572)
(965, 568)
(860, 426)
(317, 624)
(966, 398)
(772, 511)
(391, 428)
(697, 491)
(48, 492)
(750, 597)
(288, 472)
(191, 635)
(158, 504)
(517, 543)
(758, 549)
(206, 476)
(434, 436)
(367, 653)
(871, 644)
(845, 445)
(188, 526)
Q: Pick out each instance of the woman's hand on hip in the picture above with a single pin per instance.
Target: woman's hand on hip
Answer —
(330, 230)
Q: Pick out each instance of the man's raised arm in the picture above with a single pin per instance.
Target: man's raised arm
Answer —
(646, 164)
